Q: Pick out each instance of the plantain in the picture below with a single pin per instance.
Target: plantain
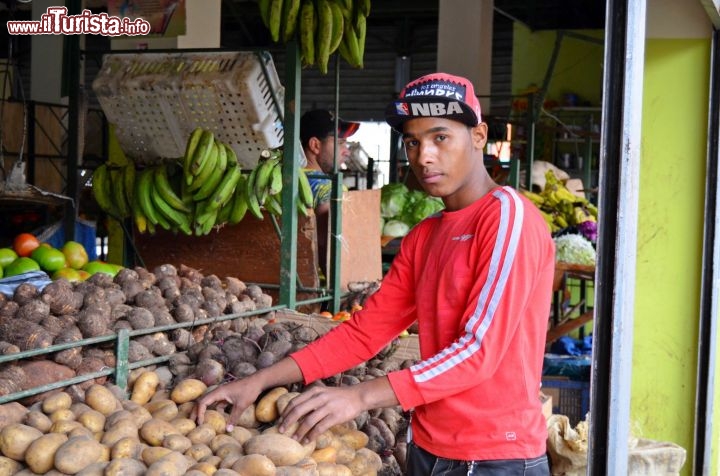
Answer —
(272, 205)
(142, 192)
(141, 221)
(361, 32)
(161, 183)
(174, 217)
(264, 6)
(201, 153)
(323, 35)
(305, 191)
(250, 197)
(226, 188)
(223, 215)
(337, 26)
(291, 10)
(190, 147)
(117, 191)
(275, 184)
(275, 19)
(263, 176)
(129, 183)
(208, 186)
(239, 202)
(207, 169)
(101, 189)
(301, 208)
(363, 6)
(351, 42)
(308, 21)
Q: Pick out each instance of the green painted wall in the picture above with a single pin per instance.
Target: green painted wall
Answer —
(578, 68)
(675, 107)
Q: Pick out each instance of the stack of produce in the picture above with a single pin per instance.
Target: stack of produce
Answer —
(401, 208)
(203, 190)
(152, 433)
(562, 209)
(70, 261)
(322, 27)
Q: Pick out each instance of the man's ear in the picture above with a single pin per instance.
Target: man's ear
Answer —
(479, 135)
(314, 145)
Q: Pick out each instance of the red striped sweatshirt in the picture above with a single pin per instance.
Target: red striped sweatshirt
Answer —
(479, 282)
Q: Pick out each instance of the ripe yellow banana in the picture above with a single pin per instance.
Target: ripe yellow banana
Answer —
(323, 35)
(308, 23)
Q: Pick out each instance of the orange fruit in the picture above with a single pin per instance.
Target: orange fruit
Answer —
(327, 314)
(341, 316)
(25, 243)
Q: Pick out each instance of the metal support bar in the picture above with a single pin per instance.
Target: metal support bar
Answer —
(288, 242)
(530, 138)
(121, 358)
(708, 325)
(30, 108)
(336, 239)
(73, 82)
(617, 241)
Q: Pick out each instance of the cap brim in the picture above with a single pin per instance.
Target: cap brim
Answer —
(400, 111)
(346, 129)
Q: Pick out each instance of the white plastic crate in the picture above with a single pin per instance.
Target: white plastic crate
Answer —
(156, 100)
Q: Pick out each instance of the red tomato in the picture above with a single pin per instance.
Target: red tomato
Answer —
(25, 243)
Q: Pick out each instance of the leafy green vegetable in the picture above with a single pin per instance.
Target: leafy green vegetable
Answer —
(395, 228)
(574, 248)
(393, 198)
(399, 204)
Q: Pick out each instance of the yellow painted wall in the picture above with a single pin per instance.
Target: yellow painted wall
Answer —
(578, 68)
(670, 231)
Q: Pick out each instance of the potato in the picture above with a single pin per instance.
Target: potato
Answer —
(162, 409)
(204, 468)
(79, 407)
(325, 455)
(365, 461)
(223, 439)
(65, 426)
(170, 465)
(77, 453)
(15, 439)
(281, 449)
(183, 425)
(254, 465)
(247, 418)
(93, 420)
(187, 390)
(124, 428)
(185, 409)
(82, 431)
(154, 431)
(293, 471)
(152, 454)
(212, 460)
(56, 401)
(127, 447)
(241, 434)
(39, 420)
(95, 469)
(355, 439)
(345, 454)
(139, 414)
(40, 455)
(225, 472)
(9, 465)
(125, 467)
(325, 439)
(178, 442)
(216, 420)
(198, 452)
(330, 469)
(229, 449)
(62, 414)
(144, 387)
(202, 434)
(101, 399)
(284, 399)
(194, 472)
(266, 410)
(229, 460)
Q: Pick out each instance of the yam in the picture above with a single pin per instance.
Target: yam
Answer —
(77, 453)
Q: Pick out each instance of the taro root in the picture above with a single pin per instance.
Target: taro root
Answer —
(131, 289)
(239, 325)
(165, 270)
(8, 386)
(120, 311)
(190, 273)
(103, 280)
(91, 365)
(71, 358)
(181, 338)
(212, 308)
(122, 324)
(186, 284)
(149, 299)
(189, 299)
(93, 322)
(210, 351)
(183, 313)
(94, 296)
(8, 310)
(168, 282)
(161, 317)
(25, 293)
(33, 311)
(114, 296)
(211, 281)
(137, 352)
(15, 374)
(161, 345)
(70, 334)
(25, 335)
(146, 340)
(6, 348)
(254, 291)
(242, 369)
(125, 275)
(263, 301)
(56, 324)
(141, 318)
(170, 294)
(234, 286)
(145, 277)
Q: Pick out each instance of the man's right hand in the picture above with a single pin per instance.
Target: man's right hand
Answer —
(240, 394)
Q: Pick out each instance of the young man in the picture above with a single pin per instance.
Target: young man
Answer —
(477, 277)
(317, 139)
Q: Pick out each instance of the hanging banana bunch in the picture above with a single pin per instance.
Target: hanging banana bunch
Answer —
(321, 27)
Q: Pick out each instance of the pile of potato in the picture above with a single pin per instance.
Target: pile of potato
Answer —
(151, 433)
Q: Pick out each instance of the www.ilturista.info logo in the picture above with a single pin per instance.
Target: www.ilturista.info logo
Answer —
(57, 22)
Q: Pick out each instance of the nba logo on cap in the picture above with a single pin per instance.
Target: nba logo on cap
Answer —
(401, 108)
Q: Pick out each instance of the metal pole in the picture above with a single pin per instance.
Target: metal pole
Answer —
(73, 157)
(290, 163)
(708, 325)
(336, 208)
(617, 241)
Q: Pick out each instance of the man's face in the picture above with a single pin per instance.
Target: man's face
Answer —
(443, 154)
(325, 156)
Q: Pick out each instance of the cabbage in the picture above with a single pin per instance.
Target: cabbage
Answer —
(575, 249)
(393, 198)
(395, 228)
(422, 208)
